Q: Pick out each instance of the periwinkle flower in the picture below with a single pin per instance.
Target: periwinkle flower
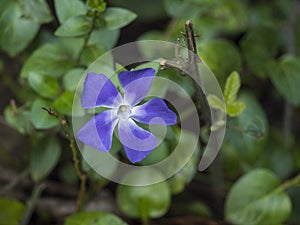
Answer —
(99, 91)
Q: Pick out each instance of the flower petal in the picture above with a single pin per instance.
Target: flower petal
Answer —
(135, 156)
(98, 90)
(98, 131)
(154, 111)
(135, 137)
(136, 84)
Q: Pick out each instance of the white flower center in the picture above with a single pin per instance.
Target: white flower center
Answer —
(124, 111)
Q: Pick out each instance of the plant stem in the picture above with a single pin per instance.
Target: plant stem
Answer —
(37, 191)
(86, 38)
(14, 182)
(80, 174)
(288, 109)
(290, 183)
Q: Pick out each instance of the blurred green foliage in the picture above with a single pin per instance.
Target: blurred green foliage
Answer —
(251, 46)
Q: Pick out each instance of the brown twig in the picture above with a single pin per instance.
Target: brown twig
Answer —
(80, 174)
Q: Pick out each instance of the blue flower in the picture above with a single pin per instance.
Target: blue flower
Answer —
(99, 91)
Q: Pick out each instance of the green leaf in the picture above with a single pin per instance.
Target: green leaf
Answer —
(45, 86)
(286, 79)
(235, 108)
(44, 157)
(221, 56)
(75, 26)
(216, 103)
(104, 37)
(37, 10)
(91, 53)
(39, 117)
(64, 103)
(93, 218)
(116, 18)
(11, 211)
(150, 201)
(232, 87)
(66, 9)
(72, 78)
(17, 31)
(19, 119)
(260, 45)
(50, 60)
(256, 199)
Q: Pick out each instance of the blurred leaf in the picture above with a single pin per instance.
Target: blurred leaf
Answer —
(45, 86)
(71, 78)
(155, 8)
(75, 26)
(242, 145)
(50, 59)
(183, 9)
(66, 9)
(107, 38)
(257, 199)
(11, 211)
(286, 79)
(161, 152)
(116, 18)
(91, 53)
(19, 119)
(235, 108)
(37, 10)
(94, 218)
(232, 86)
(17, 31)
(260, 45)
(39, 117)
(221, 56)
(150, 201)
(44, 157)
(216, 103)
(63, 104)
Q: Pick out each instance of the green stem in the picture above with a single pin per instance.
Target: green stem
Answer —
(86, 38)
(37, 191)
(291, 183)
(291, 49)
(76, 161)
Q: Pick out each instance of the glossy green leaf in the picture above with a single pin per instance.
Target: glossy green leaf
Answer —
(11, 211)
(245, 147)
(44, 157)
(66, 9)
(39, 117)
(150, 201)
(286, 79)
(17, 31)
(221, 56)
(94, 218)
(104, 37)
(20, 119)
(45, 86)
(235, 108)
(37, 10)
(91, 53)
(50, 60)
(75, 26)
(116, 18)
(216, 103)
(63, 104)
(232, 86)
(259, 46)
(71, 79)
(256, 199)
